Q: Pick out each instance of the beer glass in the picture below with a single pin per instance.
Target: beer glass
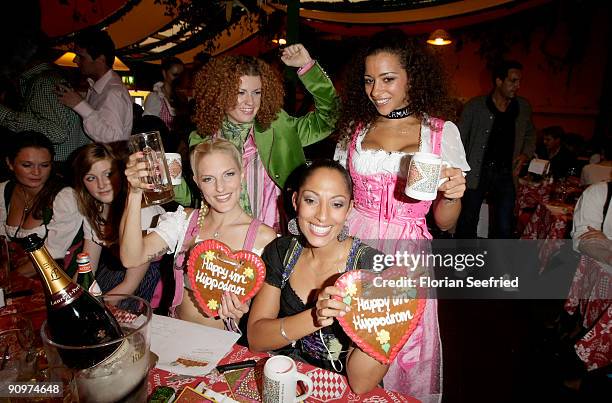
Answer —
(150, 144)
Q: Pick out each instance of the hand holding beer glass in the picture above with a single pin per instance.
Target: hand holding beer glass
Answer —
(150, 160)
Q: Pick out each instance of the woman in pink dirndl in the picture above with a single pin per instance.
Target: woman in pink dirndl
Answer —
(391, 93)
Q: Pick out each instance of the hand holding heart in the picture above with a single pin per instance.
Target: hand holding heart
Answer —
(328, 307)
(231, 307)
(380, 319)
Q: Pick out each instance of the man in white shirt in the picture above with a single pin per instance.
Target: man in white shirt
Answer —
(107, 109)
(592, 231)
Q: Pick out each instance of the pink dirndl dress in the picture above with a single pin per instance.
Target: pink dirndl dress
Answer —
(384, 217)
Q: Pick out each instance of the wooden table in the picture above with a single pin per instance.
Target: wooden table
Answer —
(245, 385)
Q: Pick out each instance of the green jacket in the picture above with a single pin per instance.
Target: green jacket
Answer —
(280, 147)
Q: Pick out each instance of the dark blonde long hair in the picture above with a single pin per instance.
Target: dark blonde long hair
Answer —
(106, 230)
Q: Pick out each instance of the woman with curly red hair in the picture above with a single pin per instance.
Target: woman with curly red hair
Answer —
(393, 91)
(240, 98)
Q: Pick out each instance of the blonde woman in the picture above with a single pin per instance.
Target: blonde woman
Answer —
(217, 170)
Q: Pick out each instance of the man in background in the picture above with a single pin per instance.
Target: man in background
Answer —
(561, 159)
(107, 109)
(498, 137)
(40, 109)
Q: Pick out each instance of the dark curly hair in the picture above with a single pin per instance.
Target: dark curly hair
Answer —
(427, 82)
(217, 85)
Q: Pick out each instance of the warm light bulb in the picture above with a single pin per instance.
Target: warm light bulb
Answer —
(439, 38)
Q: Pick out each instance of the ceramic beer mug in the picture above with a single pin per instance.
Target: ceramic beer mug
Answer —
(280, 381)
(175, 167)
(423, 179)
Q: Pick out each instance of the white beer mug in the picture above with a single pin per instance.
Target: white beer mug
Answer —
(175, 167)
(280, 381)
(423, 179)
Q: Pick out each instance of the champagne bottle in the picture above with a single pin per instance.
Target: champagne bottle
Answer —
(74, 317)
(86, 278)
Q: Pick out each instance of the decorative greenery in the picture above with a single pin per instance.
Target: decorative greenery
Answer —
(208, 18)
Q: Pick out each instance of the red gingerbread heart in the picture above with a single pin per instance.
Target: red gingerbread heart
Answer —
(213, 268)
(385, 309)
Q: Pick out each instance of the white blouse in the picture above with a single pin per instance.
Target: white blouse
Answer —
(153, 102)
(148, 218)
(62, 228)
(172, 227)
(589, 213)
(369, 162)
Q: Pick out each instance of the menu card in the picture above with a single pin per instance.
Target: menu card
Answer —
(188, 348)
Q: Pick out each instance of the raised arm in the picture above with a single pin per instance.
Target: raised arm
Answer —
(320, 123)
(131, 281)
(136, 249)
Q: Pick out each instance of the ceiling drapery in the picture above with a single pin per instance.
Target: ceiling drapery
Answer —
(143, 29)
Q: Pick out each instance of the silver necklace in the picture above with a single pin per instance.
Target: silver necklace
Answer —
(216, 234)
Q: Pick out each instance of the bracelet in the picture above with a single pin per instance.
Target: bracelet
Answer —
(305, 68)
(282, 332)
(451, 201)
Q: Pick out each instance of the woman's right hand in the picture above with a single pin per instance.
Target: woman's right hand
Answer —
(136, 169)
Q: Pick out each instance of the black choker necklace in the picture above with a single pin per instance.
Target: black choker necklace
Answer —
(399, 113)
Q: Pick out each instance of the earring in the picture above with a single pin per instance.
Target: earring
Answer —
(343, 234)
(293, 228)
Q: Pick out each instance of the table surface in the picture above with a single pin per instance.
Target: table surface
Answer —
(242, 385)
(245, 385)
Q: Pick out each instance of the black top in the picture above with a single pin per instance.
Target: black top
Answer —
(561, 162)
(500, 146)
(280, 257)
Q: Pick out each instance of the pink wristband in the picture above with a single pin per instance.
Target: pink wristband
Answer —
(304, 69)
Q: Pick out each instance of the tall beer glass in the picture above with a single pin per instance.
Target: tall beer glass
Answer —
(151, 146)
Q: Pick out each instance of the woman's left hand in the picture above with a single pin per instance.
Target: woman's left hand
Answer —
(455, 186)
(295, 55)
(328, 308)
(231, 306)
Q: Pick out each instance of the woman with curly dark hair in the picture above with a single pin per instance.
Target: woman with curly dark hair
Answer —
(240, 98)
(394, 89)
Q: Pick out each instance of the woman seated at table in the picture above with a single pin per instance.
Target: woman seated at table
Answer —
(100, 188)
(35, 200)
(592, 232)
(293, 310)
(218, 175)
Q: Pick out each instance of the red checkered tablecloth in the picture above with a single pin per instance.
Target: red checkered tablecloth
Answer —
(550, 228)
(245, 385)
(591, 296)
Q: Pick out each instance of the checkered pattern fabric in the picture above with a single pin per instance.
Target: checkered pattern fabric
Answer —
(327, 386)
(42, 112)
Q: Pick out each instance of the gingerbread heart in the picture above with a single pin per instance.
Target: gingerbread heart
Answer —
(213, 268)
(385, 310)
